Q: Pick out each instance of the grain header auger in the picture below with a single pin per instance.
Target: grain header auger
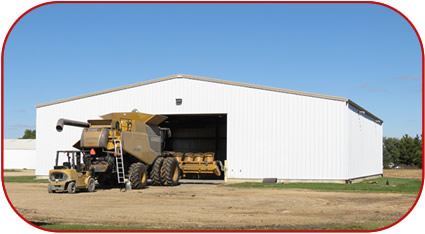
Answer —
(126, 148)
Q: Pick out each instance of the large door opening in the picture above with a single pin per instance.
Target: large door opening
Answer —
(198, 133)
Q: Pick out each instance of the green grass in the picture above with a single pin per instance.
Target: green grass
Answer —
(91, 227)
(396, 185)
(364, 226)
(11, 170)
(24, 179)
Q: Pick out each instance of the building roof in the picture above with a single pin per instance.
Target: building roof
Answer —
(179, 76)
(19, 144)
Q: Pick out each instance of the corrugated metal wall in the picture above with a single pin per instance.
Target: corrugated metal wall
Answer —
(269, 134)
(364, 144)
(19, 159)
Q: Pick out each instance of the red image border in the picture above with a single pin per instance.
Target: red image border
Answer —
(200, 2)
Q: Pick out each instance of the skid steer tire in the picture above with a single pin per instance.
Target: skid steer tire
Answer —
(137, 175)
(156, 172)
(170, 173)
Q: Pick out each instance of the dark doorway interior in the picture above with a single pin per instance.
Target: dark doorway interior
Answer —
(198, 133)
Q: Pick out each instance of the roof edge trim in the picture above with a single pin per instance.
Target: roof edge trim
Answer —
(363, 109)
(280, 90)
(106, 91)
(182, 76)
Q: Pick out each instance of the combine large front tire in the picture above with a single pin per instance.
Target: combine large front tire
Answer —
(138, 175)
(156, 171)
(170, 172)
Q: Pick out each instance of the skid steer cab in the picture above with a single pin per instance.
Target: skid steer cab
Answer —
(72, 175)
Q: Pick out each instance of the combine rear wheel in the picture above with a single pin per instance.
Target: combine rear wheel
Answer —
(156, 171)
(170, 172)
(137, 175)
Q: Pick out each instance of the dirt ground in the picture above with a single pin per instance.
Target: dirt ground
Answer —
(403, 173)
(200, 206)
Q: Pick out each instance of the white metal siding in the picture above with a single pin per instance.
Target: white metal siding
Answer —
(285, 136)
(19, 159)
(269, 134)
(364, 145)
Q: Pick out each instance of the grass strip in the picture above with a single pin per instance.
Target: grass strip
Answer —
(378, 185)
(24, 179)
(11, 170)
(362, 226)
(93, 227)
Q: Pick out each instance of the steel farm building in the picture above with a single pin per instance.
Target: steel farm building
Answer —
(262, 132)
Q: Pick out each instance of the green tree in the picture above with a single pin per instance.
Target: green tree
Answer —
(28, 134)
(417, 158)
(391, 152)
(407, 150)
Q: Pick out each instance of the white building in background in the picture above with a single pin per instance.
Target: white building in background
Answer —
(262, 132)
(19, 154)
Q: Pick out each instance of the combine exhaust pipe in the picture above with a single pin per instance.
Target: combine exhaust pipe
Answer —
(62, 122)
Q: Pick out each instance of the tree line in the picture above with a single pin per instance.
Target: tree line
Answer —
(28, 134)
(405, 152)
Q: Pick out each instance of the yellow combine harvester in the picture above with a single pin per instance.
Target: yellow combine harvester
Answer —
(127, 148)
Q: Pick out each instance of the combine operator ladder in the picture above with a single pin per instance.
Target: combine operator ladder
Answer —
(119, 161)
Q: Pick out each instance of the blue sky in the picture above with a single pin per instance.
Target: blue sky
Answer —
(364, 52)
